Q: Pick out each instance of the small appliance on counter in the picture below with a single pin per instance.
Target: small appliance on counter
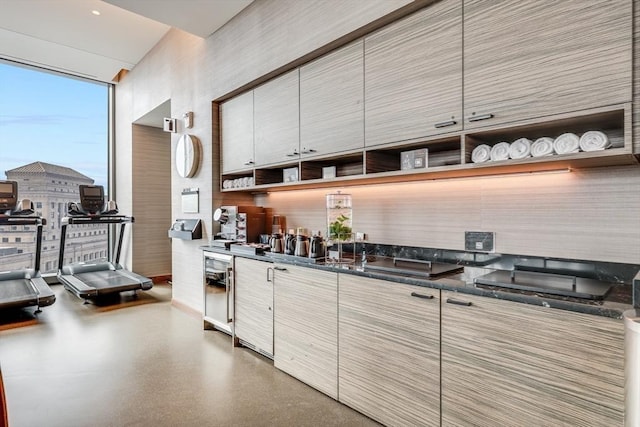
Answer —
(242, 224)
(317, 247)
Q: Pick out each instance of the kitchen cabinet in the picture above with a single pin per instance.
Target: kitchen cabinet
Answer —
(512, 364)
(306, 326)
(526, 58)
(276, 120)
(254, 304)
(331, 102)
(413, 76)
(389, 350)
(236, 132)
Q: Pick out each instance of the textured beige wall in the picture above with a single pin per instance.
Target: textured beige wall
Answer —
(191, 72)
(586, 214)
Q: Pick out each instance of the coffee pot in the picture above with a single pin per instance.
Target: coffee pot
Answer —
(302, 246)
(316, 247)
(276, 243)
(289, 244)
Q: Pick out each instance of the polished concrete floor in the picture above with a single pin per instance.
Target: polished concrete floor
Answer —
(143, 362)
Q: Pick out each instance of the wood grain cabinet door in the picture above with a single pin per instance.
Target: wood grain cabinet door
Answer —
(413, 76)
(389, 358)
(306, 326)
(331, 102)
(512, 364)
(236, 128)
(529, 58)
(277, 124)
(254, 304)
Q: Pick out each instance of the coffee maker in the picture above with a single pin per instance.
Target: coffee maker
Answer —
(243, 224)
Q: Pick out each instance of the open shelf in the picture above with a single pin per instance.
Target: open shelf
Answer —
(450, 156)
(345, 165)
(237, 181)
(612, 123)
(441, 152)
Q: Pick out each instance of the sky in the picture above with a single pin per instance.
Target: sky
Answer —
(54, 119)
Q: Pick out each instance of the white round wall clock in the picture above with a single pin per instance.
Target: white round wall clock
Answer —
(188, 156)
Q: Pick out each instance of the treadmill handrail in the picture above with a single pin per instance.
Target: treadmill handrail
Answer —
(22, 220)
(97, 219)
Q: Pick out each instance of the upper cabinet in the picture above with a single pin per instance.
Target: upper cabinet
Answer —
(277, 125)
(418, 96)
(526, 58)
(236, 133)
(413, 76)
(331, 103)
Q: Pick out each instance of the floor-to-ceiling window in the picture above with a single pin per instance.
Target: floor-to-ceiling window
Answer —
(54, 136)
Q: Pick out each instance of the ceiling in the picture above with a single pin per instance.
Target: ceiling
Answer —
(66, 36)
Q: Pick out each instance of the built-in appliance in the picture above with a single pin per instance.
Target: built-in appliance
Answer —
(546, 282)
(218, 291)
(412, 267)
(242, 224)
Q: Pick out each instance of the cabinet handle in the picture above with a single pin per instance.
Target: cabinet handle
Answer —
(458, 302)
(417, 295)
(295, 153)
(445, 124)
(269, 279)
(309, 151)
(475, 118)
(249, 163)
(279, 269)
(228, 286)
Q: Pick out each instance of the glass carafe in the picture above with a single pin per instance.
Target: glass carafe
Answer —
(339, 220)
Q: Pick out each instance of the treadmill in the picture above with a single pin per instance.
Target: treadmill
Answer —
(94, 279)
(26, 287)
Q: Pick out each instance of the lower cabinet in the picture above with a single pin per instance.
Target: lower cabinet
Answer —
(306, 326)
(512, 364)
(389, 357)
(253, 323)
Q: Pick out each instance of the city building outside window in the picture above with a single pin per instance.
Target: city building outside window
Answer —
(54, 129)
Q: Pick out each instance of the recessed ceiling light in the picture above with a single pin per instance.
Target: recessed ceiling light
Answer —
(95, 12)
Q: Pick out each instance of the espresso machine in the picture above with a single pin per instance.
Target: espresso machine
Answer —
(242, 224)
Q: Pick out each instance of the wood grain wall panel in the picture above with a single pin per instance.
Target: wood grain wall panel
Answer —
(586, 214)
(330, 123)
(636, 77)
(271, 33)
(548, 367)
(236, 123)
(277, 119)
(254, 304)
(152, 184)
(389, 351)
(413, 75)
(525, 58)
(305, 330)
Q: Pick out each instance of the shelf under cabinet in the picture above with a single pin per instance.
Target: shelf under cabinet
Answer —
(450, 156)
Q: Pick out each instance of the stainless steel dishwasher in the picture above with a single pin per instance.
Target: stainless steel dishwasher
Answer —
(632, 367)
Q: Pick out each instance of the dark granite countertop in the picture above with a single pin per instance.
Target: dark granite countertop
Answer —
(613, 305)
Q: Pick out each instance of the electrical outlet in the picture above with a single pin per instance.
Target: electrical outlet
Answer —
(479, 241)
